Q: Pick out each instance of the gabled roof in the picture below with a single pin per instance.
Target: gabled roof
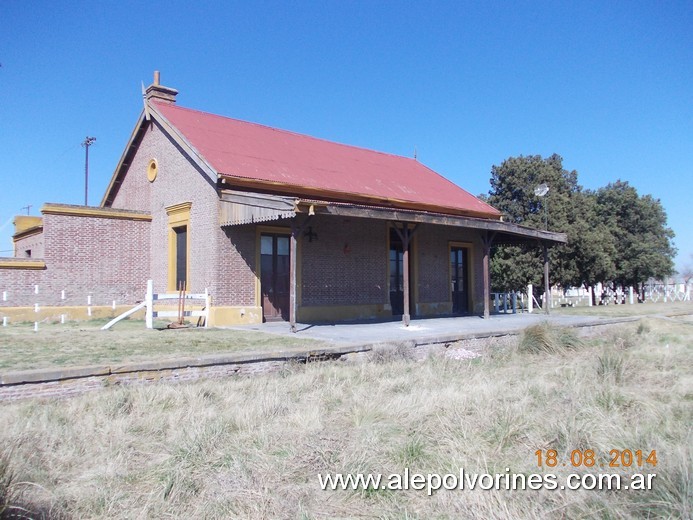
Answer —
(263, 158)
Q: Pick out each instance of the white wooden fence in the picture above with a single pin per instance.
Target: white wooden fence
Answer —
(201, 302)
(39, 302)
(152, 299)
(513, 302)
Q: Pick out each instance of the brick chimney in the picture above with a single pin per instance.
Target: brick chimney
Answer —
(159, 92)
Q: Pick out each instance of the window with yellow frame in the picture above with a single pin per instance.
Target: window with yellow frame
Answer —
(178, 245)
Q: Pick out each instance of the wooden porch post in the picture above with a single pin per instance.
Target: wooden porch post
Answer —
(547, 291)
(405, 235)
(292, 277)
(296, 230)
(486, 243)
(406, 317)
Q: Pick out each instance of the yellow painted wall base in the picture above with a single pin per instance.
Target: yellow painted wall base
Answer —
(220, 316)
(54, 313)
(344, 313)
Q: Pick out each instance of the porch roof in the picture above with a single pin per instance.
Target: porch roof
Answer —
(237, 207)
(500, 232)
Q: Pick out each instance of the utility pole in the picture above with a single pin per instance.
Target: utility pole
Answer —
(88, 141)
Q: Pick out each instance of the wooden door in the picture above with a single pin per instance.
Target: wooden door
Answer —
(459, 283)
(274, 276)
(396, 279)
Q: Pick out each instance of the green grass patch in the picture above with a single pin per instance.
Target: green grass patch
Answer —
(83, 343)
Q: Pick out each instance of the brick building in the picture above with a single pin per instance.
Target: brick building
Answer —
(276, 225)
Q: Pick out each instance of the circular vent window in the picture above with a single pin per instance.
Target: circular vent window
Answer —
(152, 170)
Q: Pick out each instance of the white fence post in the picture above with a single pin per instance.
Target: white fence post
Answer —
(630, 294)
(4, 318)
(149, 300)
(530, 301)
(208, 304)
(36, 311)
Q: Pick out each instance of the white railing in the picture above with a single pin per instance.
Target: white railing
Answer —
(151, 299)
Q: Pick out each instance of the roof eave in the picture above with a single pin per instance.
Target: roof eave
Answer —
(355, 198)
(184, 143)
(522, 233)
(147, 116)
(122, 166)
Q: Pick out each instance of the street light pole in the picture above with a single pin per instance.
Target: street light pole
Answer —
(541, 191)
(88, 141)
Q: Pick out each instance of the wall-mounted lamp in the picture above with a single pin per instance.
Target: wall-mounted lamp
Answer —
(310, 234)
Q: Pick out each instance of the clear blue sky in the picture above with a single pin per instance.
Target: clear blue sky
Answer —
(606, 85)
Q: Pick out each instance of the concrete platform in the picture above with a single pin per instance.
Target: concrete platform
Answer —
(429, 330)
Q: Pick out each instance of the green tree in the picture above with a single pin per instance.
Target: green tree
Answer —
(592, 249)
(643, 241)
(512, 192)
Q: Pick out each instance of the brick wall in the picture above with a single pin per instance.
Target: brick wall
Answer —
(33, 243)
(347, 264)
(237, 273)
(178, 180)
(105, 257)
(432, 247)
(18, 286)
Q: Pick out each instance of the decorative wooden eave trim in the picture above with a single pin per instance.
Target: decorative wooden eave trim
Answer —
(183, 142)
(97, 212)
(245, 207)
(22, 263)
(279, 188)
(26, 233)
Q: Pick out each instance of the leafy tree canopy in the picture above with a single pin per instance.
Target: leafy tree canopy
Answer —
(614, 235)
(638, 225)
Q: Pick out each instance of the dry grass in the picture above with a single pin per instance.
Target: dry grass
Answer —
(546, 339)
(83, 343)
(252, 448)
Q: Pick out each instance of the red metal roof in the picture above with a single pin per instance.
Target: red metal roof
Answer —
(291, 161)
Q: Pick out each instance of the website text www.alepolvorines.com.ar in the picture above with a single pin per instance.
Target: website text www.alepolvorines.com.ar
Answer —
(463, 480)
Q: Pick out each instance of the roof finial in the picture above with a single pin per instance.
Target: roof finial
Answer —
(415, 152)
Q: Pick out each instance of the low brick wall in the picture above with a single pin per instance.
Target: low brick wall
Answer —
(70, 381)
(67, 382)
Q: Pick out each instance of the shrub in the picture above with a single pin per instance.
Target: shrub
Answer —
(610, 366)
(544, 338)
